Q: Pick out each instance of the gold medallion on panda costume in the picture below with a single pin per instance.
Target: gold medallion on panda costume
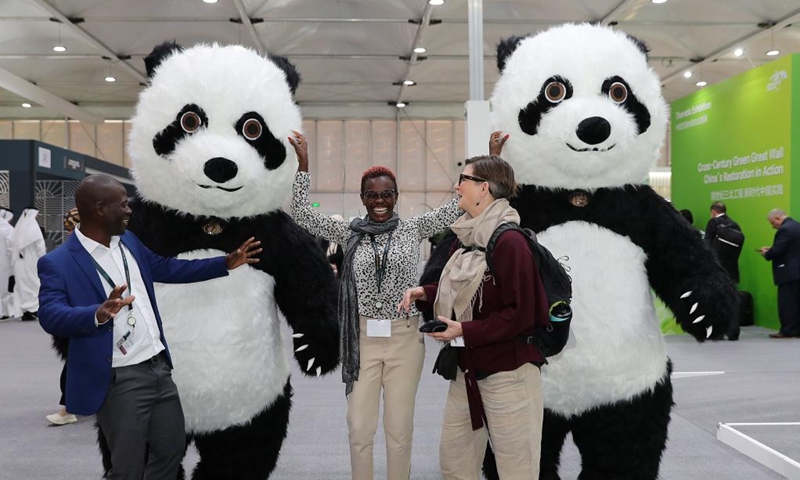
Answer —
(579, 198)
(213, 227)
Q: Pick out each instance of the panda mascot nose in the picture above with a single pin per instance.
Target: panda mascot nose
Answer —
(220, 169)
(594, 130)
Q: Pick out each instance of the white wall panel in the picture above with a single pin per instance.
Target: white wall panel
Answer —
(384, 143)
(6, 130)
(27, 130)
(54, 132)
(439, 137)
(459, 146)
(356, 152)
(411, 167)
(310, 132)
(82, 137)
(110, 143)
(329, 171)
(126, 132)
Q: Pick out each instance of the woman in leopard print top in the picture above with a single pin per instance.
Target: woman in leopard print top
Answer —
(389, 351)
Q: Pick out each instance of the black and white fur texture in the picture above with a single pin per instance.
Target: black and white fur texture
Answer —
(209, 154)
(585, 115)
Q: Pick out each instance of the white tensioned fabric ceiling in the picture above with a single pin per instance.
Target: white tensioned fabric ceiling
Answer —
(353, 54)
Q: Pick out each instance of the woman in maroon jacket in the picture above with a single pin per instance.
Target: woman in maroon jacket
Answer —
(497, 391)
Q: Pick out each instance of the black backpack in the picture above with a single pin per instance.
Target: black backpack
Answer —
(550, 338)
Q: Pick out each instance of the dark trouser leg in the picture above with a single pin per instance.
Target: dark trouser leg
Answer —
(789, 308)
(63, 384)
(142, 407)
(554, 432)
(625, 441)
(247, 452)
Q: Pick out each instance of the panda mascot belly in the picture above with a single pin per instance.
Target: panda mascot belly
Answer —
(586, 120)
(618, 350)
(213, 168)
(225, 339)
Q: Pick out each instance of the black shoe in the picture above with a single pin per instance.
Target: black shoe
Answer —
(29, 316)
(732, 338)
(4, 317)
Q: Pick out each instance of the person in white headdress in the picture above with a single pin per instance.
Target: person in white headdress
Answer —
(27, 246)
(6, 230)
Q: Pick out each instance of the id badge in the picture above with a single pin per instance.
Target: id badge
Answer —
(380, 328)
(125, 343)
(457, 342)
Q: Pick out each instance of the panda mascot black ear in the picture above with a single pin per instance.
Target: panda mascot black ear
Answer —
(292, 76)
(162, 51)
(505, 48)
(640, 45)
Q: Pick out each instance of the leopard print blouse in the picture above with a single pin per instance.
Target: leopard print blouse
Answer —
(402, 258)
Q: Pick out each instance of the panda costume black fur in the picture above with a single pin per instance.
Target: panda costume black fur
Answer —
(586, 120)
(213, 167)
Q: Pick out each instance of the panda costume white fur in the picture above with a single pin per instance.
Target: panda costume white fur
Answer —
(213, 167)
(586, 120)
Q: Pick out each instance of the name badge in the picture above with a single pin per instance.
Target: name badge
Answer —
(457, 342)
(379, 327)
(125, 343)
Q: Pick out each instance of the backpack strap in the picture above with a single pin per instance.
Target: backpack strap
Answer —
(501, 229)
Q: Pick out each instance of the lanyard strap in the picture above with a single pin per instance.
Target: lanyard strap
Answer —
(107, 277)
(380, 265)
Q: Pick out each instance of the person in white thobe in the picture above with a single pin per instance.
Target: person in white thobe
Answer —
(27, 246)
(6, 230)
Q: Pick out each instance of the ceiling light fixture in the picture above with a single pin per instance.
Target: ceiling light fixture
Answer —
(687, 74)
(738, 52)
(110, 78)
(400, 104)
(436, 2)
(209, 1)
(420, 50)
(59, 46)
(409, 83)
(701, 83)
(26, 105)
(772, 51)
(658, 1)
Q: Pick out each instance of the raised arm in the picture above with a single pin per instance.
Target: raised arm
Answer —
(436, 220)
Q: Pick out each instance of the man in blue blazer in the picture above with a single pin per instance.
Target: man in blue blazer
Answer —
(119, 364)
(785, 257)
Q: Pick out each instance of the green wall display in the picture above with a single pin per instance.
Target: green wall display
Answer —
(733, 142)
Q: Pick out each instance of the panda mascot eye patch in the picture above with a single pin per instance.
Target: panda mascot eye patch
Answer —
(620, 93)
(554, 90)
(251, 127)
(189, 120)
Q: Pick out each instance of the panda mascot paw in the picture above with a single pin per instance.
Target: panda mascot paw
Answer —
(586, 120)
(213, 167)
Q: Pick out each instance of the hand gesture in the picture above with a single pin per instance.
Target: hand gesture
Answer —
(496, 142)
(113, 304)
(453, 330)
(411, 295)
(244, 254)
(300, 145)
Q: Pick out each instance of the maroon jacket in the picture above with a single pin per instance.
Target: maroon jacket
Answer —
(512, 303)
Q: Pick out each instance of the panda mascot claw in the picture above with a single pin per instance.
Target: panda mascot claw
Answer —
(586, 120)
(212, 168)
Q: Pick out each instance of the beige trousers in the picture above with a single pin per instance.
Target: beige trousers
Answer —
(514, 410)
(394, 364)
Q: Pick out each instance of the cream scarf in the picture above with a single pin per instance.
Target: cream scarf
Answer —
(463, 274)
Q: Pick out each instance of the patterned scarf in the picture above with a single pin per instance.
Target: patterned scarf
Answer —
(463, 273)
(349, 352)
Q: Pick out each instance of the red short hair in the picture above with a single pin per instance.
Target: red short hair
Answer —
(377, 171)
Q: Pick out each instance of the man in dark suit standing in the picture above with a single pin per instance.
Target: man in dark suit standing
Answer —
(785, 257)
(119, 365)
(727, 254)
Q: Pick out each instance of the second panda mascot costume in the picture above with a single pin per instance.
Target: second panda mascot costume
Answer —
(213, 167)
(586, 119)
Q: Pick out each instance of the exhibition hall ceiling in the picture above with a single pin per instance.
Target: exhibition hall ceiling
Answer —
(353, 55)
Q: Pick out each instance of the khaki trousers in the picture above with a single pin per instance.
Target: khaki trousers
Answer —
(514, 410)
(394, 364)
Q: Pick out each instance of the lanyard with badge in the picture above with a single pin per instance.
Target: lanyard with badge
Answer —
(126, 341)
(379, 327)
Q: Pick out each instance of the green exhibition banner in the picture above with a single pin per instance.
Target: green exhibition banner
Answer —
(732, 142)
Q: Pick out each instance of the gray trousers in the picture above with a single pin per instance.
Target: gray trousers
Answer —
(142, 409)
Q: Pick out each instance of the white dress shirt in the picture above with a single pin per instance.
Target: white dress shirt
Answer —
(144, 340)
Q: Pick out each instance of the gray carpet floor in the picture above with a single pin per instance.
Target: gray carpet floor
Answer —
(760, 384)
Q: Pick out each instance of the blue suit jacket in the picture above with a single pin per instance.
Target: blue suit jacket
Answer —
(785, 253)
(71, 293)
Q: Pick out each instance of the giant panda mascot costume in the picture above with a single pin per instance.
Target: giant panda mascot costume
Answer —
(586, 120)
(213, 167)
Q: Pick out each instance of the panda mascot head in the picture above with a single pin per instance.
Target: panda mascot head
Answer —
(596, 122)
(199, 146)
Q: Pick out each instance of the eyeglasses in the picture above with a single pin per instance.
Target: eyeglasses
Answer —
(373, 195)
(463, 177)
